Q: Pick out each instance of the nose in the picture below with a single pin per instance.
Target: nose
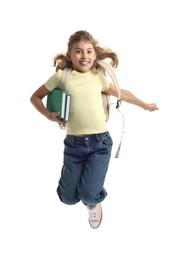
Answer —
(84, 54)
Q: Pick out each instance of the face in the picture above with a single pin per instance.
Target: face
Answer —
(82, 55)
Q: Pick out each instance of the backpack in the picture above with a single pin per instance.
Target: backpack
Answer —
(106, 98)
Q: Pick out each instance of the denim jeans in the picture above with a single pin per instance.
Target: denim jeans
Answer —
(86, 161)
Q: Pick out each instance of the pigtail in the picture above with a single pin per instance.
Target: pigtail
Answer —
(61, 61)
(105, 53)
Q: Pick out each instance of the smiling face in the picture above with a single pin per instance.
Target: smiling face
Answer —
(82, 55)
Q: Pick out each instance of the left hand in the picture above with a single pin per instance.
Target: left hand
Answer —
(151, 107)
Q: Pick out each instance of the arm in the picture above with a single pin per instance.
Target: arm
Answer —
(36, 100)
(128, 97)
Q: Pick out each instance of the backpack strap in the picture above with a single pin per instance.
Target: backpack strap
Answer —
(64, 77)
(110, 70)
(112, 74)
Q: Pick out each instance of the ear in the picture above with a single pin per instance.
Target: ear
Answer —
(95, 56)
(68, 56)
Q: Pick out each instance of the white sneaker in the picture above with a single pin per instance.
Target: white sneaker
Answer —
(95, 216)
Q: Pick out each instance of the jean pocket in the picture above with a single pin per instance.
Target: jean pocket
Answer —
(107, 142)
(68, 141)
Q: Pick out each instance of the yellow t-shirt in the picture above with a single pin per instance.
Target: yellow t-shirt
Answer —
(87, 114)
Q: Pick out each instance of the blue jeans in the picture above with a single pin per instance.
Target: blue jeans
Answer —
(86, 161)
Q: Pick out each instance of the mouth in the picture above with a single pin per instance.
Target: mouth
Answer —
(84, 63)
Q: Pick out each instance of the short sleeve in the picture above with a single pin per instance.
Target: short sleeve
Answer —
(105, 82)
(53, 81)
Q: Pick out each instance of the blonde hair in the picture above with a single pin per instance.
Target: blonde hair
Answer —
(61, 60)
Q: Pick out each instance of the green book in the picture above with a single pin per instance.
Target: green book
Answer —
(59, 101)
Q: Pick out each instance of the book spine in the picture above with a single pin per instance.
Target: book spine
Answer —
(63, 105)
(67, 107)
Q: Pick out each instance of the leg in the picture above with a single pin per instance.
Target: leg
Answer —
(90, 188)
(71, 173)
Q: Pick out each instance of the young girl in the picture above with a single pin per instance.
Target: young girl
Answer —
(87, 143)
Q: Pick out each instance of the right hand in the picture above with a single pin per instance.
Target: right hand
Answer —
(54, 117)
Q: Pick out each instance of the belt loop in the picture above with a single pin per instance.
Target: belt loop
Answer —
(73, 140)
(99, 137)
(104, 135)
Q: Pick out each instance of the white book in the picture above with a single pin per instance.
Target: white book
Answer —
(67, 108)
(63, 105)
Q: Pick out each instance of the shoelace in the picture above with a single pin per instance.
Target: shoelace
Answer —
(93, 214)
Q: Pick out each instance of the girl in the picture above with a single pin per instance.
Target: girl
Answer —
(87, 143)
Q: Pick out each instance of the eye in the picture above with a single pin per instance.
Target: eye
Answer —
(90, 52)
(78, 51)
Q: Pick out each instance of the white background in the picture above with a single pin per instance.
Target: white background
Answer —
(143, 210)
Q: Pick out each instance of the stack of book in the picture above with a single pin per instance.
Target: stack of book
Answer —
(59, 101)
